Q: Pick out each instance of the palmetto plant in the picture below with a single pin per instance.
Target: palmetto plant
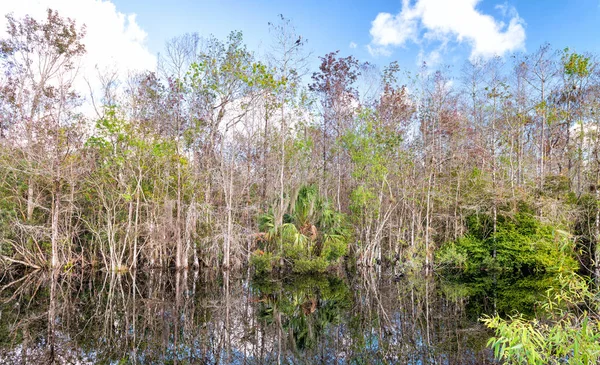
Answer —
(311, 236)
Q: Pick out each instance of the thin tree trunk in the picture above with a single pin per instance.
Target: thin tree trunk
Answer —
(596, 253)
(30, 203)
(55, 261)
(427, 223)
(180, 261)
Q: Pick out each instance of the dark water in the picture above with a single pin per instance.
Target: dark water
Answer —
(207, 318)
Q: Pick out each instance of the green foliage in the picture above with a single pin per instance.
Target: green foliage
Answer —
(335, 246)
(374, 149)
(453, 257)
(585, 227)
(310, 265)
(556, 185)
(570, 333)
(262, 261)
(311, 238)
(519, 342)
(521, 242)
(575, 64)
(567, 332)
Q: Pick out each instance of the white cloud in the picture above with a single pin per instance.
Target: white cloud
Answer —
(458, 20)
(376, 51)
(432, 58)
(388, 29)
(506, 9)
(502, 8)
(113, 40)
(353, 45)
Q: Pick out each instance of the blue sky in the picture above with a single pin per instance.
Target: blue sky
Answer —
(332, 25)
(128, 34)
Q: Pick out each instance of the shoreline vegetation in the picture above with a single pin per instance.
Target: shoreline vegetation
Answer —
(226, 160)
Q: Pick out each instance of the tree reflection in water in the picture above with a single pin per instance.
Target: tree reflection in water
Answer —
(207, 318)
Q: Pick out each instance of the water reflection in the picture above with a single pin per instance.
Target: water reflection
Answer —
(205, 318)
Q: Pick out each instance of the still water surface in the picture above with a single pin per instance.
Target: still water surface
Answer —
(207, 318)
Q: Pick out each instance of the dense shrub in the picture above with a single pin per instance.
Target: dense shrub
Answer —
(522, 243)
(311, 238)
(310, 265)
(262, 261)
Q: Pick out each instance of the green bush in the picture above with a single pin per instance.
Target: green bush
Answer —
(262, 261)
(310, 265)
(521, 242)
(452, 257)
(312, 236)
(293, 251)
(334, 248)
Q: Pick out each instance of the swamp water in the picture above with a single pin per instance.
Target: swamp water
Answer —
(206, 318)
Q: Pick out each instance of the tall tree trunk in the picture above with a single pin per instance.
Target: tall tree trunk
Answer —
(55, 260)
(427, 222)
(596, 253)
(542, 139)
(264, 159)
(228, 202)
(494, 182)
(30, 202)
(52, 319)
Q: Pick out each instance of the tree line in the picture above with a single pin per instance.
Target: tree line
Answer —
(174, 166)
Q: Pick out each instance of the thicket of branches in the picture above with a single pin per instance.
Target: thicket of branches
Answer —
(177, 165)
